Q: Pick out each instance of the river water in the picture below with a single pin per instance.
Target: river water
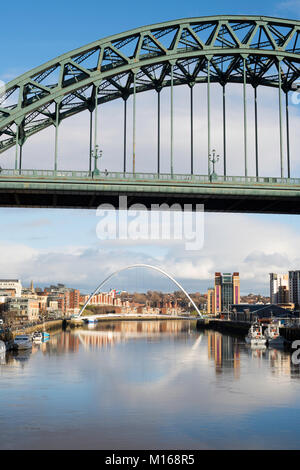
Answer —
(148, 385)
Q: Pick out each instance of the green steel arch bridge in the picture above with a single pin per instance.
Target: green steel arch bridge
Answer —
(247, 50)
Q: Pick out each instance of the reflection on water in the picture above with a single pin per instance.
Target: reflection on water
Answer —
(226, 352)
(154, 384)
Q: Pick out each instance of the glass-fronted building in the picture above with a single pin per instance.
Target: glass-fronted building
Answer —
(227, 291)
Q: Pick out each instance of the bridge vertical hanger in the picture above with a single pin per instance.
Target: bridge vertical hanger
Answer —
(287, 132)
(20, 160)
(134, 122)
(245, 114)
(224, 128)
(21, 142)
(17, 147)
(56, 134)
(96, 118)
(256, 131)
(191, 85)
(280, 119)
(57, 122)
(91, 142)
(172, 117)
(20, 139)
(91, 109)
(125, 134)
(208, 114)
(158, 131)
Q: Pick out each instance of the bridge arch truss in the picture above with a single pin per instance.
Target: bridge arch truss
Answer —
(251, 50)
(147, 266)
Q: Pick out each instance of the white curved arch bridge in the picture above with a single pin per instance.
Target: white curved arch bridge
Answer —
(140, 266)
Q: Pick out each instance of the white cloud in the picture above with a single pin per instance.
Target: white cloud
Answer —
(251, 245)
(290, 5)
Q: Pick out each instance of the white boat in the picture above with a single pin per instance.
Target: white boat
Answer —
(37, 337)
(255, 336)
(272, 331)
(22, 342)
(91, 320)
(2, 347)
(272, 334)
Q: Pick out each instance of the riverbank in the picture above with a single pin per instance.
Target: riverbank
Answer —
(46, 326)
(241, 328)
(226, 326)
(8, 336)
(77, 322)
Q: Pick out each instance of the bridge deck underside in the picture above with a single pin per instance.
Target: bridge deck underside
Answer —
(84, 194)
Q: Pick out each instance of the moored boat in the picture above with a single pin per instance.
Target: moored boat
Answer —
(272, 334)
(255, 336)
(91, 320)
(2, 347)
(37, 336)
(272, 331)
(22, 342)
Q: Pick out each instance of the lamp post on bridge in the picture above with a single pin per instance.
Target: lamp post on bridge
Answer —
(95, 155)
(213, 158)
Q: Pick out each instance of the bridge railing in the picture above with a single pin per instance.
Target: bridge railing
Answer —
(113, 175)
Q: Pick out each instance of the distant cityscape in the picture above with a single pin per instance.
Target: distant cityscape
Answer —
(225, 298)
(21, 305)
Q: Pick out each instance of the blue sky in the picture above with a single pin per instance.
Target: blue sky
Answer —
(35, 32)
(59, 245)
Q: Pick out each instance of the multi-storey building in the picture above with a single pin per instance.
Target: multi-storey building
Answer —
(72, 297)
(294, 287)
(102, 299)
(227, 291)
(11, 287)
(67, 300)
(283, 295)
(211, 307)
(236, 288)
(218, 292)
(279, 285)
(21, 310)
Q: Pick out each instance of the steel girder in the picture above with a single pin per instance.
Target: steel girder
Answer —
(104, 70)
